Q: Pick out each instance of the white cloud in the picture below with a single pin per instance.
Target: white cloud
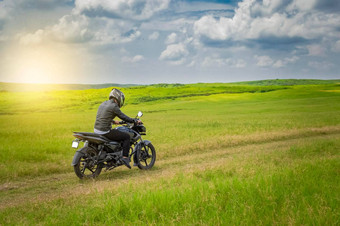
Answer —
(264, 61)
(131, 9)
(320, 65)
(210, 27)
(96, 22)
(80, 28)
(134, 59)
(235, 63)
(175, 53)
(172, 38)
(210, 61)
(270, 18)
(267, 61)
(72, 28)
(337, 46)
(4, 12)
(292, 59)
(278, 64)
(39, 4)
(302, 5)
(168, 25)
(154, 36)
(3, 37)
(188, 6)
(35, 38)
(191, 64)
(216, 61)
(10, 8)
(285, 61)
(316, 50)
(240, 63)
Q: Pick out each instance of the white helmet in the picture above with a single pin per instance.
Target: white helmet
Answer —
(118, 96)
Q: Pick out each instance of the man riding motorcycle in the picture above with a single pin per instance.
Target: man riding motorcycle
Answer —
(106, 113)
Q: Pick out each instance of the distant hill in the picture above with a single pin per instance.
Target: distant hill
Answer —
(24, 87)
(289, 82)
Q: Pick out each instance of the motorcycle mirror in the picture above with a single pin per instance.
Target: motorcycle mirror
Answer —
(140, 114)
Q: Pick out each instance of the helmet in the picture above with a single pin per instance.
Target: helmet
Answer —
(118, 96)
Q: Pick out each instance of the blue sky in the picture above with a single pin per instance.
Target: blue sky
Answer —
(168, 41)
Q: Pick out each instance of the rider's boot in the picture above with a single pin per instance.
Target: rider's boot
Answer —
(126, 162)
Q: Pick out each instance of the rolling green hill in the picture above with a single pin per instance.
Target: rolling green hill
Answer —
(226, 154)
(19, 102)
(289, 82)
(24, 87)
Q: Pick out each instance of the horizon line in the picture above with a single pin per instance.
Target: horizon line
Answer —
(135, 84)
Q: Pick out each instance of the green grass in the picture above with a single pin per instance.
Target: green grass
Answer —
(289, 82)
(281, 186)
(226, 154)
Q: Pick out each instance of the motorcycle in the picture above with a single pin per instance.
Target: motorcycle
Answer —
(99, 152)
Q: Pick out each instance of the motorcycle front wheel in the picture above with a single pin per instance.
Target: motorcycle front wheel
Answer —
(146, 157)
(86, 167)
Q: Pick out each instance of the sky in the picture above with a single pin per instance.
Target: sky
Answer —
(168, 41)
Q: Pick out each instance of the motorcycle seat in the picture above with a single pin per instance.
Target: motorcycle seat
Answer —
(98, 135)
(89, 134)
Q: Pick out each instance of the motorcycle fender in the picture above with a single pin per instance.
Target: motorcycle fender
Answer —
(139, 147)
(79, 153)
(146, 142)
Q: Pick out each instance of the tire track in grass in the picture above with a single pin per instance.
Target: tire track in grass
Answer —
(64, 186)
(228, 141)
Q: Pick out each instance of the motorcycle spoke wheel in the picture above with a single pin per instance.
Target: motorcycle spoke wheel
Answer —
(146, 157)
(86, 166)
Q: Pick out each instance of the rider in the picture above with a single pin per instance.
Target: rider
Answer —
(107, 111)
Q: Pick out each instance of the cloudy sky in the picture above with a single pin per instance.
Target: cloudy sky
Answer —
(168, 41)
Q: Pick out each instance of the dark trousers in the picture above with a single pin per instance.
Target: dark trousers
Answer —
(119, 136)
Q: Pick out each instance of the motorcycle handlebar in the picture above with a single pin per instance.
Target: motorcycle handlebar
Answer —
(123, 122)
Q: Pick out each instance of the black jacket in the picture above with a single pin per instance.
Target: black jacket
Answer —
(107, 111)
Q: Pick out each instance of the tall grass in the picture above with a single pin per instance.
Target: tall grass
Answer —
(294, 185)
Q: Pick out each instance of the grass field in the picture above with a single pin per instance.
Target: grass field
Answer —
(265, 152)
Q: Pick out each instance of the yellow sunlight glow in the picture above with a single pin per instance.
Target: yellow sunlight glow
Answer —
(42, 64)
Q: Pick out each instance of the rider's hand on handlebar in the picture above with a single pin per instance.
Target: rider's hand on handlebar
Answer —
(139, 122)
(115, 122)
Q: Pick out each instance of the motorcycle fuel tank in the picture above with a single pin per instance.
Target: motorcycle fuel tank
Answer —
(126, 130)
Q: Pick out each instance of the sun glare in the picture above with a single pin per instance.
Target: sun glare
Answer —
(41, 64)
(36, 68)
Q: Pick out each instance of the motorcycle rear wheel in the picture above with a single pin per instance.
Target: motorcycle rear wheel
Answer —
(146, 157)
(86, 167)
